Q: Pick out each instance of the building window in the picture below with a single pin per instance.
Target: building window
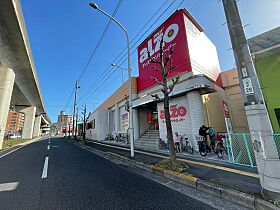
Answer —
(277, 113)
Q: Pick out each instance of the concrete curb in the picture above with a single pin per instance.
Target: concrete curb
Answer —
(235, 196)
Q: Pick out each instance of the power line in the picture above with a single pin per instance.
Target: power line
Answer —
(70, 97)
(94, 84)
(109, 68)
(99, 41)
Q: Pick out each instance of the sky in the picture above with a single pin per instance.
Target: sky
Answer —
(63, 35)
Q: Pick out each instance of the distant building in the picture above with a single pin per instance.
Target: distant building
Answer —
(265, 49)
(64, 122)
(15, 122)
(234, 98)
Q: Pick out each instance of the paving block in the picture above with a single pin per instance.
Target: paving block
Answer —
(261, 204)
(238, 197)
(172, 175)
(209, 187)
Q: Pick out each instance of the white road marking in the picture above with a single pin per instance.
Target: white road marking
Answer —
(8, 186)
(45, 169)
(12, 151)
(48, 147)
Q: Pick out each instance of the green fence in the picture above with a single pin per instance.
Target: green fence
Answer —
(240, 149)
(276, 138)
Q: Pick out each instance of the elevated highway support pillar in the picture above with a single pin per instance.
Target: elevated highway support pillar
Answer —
(7, 78)
(29, 119)
(37, 126)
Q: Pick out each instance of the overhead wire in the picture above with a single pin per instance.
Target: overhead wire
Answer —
(95, 49)
(90, 93)
(109, 68)
(99, 41)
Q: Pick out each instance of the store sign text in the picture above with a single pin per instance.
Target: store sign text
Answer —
(168, 36)
(176, 113)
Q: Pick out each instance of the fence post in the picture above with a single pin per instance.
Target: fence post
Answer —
(232, 159)
(248, 151)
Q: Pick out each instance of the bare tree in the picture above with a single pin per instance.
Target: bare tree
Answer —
(166, 66)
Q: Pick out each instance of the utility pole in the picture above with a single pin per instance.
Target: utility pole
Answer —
(76, 126)
(265, 150)
(84, 121)
(75, 103)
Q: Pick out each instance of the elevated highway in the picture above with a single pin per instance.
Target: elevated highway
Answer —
(19, 86)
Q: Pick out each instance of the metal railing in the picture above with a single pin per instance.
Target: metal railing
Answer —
(240, 149)
(276, 137)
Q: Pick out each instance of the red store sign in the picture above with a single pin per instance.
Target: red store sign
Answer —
(175, 112)
(173, 32)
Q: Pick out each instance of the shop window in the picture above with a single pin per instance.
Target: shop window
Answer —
(89, 125)
(277, 113)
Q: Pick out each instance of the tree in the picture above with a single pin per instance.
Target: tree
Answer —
(166, 66)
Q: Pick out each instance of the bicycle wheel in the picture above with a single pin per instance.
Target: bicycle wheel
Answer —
(190, 149)
(220, 151)
(202, 149)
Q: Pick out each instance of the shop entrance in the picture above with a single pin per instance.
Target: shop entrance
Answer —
(148, 117)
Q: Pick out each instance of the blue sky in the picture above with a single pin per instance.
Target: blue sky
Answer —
(64, 33)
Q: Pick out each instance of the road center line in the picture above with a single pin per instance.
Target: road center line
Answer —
(48, 147)
(45, 169)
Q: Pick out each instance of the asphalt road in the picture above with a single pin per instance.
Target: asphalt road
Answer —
(79, 179)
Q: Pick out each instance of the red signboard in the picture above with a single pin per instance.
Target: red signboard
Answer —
(173, 32)
(150, 117)
(225, 108)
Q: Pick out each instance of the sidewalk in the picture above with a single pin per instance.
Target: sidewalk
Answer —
(236, 177)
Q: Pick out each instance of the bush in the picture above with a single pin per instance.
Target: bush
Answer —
(176, 165)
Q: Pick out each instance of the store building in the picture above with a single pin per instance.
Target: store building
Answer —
(235, 102)
(265, 50)
(195, 100)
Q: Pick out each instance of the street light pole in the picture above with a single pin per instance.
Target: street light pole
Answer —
(130, 129)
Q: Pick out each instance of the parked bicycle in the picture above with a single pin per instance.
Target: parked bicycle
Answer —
(221, 148)
(121, 137)
(109, 137)
(203, 147)
(186, 146)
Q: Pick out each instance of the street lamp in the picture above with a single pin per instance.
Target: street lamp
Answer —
(130, 129)
(115, 65)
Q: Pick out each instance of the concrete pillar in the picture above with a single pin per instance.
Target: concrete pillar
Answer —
(136, 123)
(7, 78)
(196, 115)
(29, 119)
(37, 126)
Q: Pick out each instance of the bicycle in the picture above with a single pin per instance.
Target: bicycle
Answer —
(121, 137)
(187, 147)
(203, 147)
(221, 149)
(109, 137)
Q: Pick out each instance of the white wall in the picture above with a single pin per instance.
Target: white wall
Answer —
(188, 124)
(203, 53)
(101, 125)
